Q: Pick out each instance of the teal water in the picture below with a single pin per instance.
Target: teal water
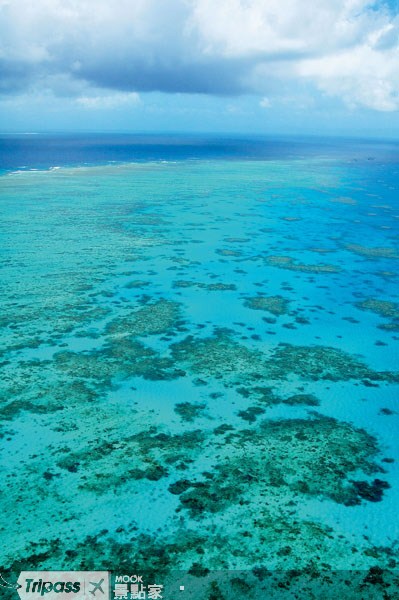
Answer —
(200, 356)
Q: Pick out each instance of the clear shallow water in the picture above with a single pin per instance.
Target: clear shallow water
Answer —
(200, 355)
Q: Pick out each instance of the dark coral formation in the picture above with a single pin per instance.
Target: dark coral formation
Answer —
(111, 463)
(213, 287)
(222, 357)
(372, 252)
(304, 456)
(157, 317)
(322, 362)
(288, 263)
(383, 308)
(277, 305)
(189, 411)
(219, 356)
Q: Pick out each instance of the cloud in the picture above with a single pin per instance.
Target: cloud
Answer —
(265, 102)
(364, 76)
(106, 101)
(343, 48)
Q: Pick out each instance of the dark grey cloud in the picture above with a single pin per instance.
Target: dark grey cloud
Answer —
(223, 77)
(15, 76)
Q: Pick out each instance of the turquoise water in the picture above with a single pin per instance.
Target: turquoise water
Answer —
(200, 356)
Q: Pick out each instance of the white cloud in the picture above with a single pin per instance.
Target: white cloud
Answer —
(265, 103)
(363, 76)
(279, 27)
(105, 101)
(346, 48)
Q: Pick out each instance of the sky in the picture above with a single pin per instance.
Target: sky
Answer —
(236, 66)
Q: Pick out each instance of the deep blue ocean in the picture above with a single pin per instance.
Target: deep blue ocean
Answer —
(42, 151)
(199, 362)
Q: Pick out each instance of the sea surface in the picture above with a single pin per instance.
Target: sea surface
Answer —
(200, 362)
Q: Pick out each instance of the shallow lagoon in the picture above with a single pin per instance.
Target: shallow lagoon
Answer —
(200, 369)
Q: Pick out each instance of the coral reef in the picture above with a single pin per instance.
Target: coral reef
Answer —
(222, 357)
(277, 305)
(158, 317)
(145, 429)
(322, 362)
(189, 411)
(219, 287)
(286, 262)
(384, 308)
(304, 456)
(219, 356)
(372, 251)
